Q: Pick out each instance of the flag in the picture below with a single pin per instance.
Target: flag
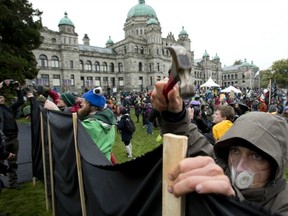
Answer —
(257, 73)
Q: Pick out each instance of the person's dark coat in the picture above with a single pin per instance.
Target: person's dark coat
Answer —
(125, 135)
(267, 133)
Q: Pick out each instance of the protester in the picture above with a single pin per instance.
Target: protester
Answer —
(9, 127)
(223, 119)
(285, 113)
(252, 154)
(126, 135)
(67, 103)
(98, 121)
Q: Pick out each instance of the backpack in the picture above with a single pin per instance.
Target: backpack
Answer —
(130, 127)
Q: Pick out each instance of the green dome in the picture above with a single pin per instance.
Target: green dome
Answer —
(253, 65)
(152, 21)
(216, 57)
(141, 9)
(245, 64)
(109, 41)
(66, 21)
(205, 54)
(183, 32)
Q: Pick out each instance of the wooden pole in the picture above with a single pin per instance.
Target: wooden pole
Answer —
(44, 161)
(174, 150)
(79, 167)
(51, 167)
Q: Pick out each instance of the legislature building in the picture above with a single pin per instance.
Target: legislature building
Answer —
(132, 64)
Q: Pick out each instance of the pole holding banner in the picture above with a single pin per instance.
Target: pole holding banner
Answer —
(174, 150)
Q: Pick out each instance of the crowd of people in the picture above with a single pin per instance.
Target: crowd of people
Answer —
(237, 142)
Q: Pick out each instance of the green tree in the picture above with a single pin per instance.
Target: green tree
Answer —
(280, 72)
(19, 35)
(238, 62)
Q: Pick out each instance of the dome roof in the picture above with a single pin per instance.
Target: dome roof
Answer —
(66, 21)
(253, 65)
(245, 64)
(205, 54)
(183, 32)
(141, 9)
(109, 41)
(216, 57)
(152, 21)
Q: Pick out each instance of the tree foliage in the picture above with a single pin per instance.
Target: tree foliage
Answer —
(280, 72)
(19, 35)
(238, 62)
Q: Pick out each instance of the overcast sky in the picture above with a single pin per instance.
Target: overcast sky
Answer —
(255, 30)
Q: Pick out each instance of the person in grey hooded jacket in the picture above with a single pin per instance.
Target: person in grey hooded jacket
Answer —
(249, 161)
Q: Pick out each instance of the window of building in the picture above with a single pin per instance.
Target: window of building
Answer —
(235, 76)
(97, 81)
(151, 83)
(72, 78)
(71, 64)
(125, 49)
(43, 60)
(104, 65)
(97, 66)
(44, 80)
(158, 67)
(142, 50)
(136, 49)
(158, 78)
(54, 40)
(140, 81)
(88, 66)
(120, 67)
(89, 81)
(140, 66)
(120, 81)
(55, 62)
(112, 67)
(112, 81)
(56, 80)
(82, 81)
(81, 65)
(150, 67)
(163, 52)
(105, 81)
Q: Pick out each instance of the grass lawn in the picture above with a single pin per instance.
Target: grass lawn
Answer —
(30, 200)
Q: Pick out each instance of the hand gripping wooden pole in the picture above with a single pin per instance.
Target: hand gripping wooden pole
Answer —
(174, 150)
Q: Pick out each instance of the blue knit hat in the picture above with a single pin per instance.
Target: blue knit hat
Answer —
(95, 97)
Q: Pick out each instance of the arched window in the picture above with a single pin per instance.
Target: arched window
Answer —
(228, 77)
(120, 67)
(104, 65)
(88, 66)
(125, 49)
(43, 60)
(112, 67)
(224, 77)
(232, 76)
(81, 65)
(97, 66)
(140, 66)
(55, 62)
(235, 76)
(142, 50)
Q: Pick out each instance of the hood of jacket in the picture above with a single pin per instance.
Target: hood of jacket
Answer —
(106, 116)
(265, 132)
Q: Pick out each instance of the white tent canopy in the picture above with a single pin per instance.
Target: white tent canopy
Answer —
(231, 88)
(210, 83)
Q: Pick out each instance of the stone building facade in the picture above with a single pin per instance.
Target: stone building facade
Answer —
(132, 64)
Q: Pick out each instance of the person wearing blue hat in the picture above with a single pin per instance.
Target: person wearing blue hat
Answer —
(98, 121)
